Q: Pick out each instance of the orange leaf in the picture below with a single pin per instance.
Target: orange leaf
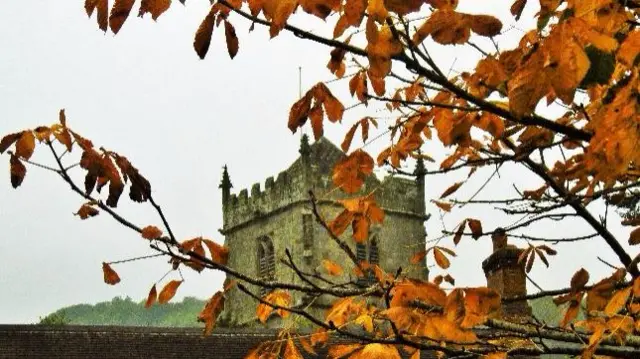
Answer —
(630, 48)
(110, 276)
(354, 11)
(316, 115)
(202, 40)
(17, 171)
(497, 355)
(332, 267)
(443, 206)
(618, 301)
(416, 258)
(152, 297)
(360, 227)
(291, 352)
(451, 190)
(300, 111)
(232, 39)
(349, 137)
(25, 145)
(219, 254)
(476, 228)
(341, 222)
(306, 345)
(342, 350)
(168, 291)
(440, 258)
(377, 351)
(571, 313)
(517, 8)
(350, 172)
(87, 211)
(276, 297)
(151, 232)
(210, 312)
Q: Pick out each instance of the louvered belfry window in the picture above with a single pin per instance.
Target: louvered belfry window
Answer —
(266, 262)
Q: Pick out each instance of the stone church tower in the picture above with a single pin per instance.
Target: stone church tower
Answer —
(261, 223)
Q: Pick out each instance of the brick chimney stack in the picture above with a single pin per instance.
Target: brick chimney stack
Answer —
(506, 276)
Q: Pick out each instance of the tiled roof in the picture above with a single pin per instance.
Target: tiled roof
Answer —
(113, 342)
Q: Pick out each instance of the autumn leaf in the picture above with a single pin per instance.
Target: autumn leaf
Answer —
(476, 228)
(349, 173)
(210, 312)
(291, 351)
(618, 301)
(25, 145)
(485, 25)
(441, 259)
(346, 143)
(168, 291)
(154, 7)
(278, 298)
(634, 237)
(17, 171)
(458, 235)
(418, 257)
(377, 351)
(151, 232)
(579, 280)
(110, 276)
(331, 267)
(219, 254)
(86, 211)
(443, 205)
(232, 39)
(9, 140)
(119, 14)
(341, 222)
(202, 40)
(452, 189)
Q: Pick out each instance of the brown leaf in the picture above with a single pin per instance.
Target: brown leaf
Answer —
(354, 11)
(341, 222)
(151, 232)
(306, 345)
(154, 7)
(299, 112)
(232, 39)
(291, 352)
(17, 171)
(485, 25)
(517, 7)
(9, 140)
(476, 228)
(87, 211)
(618, 301)
(26, 145)
(315, 115)
(331, 267)
(202, 40)
(168, 291)
(119, 14)
(579, 280)
(152, 297)
(458, 235)
(634, 237)
(110, 276)
(451, 190)
(441, 259)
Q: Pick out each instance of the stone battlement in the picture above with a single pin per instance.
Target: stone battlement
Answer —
(313, 171)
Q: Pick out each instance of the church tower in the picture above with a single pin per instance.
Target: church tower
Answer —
(261, 224)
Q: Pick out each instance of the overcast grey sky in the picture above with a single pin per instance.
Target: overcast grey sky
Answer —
(144, 93)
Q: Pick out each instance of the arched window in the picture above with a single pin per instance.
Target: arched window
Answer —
(266, 261)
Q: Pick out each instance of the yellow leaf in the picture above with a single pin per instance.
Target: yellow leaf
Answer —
(332, 267)
(618, 301)
(366, 321)
(168, 291)
(277, 298)
(377, 351)
(110, 276)
(151, 232)
(152, 297)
